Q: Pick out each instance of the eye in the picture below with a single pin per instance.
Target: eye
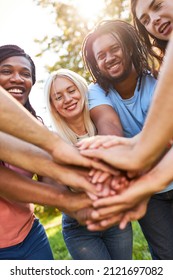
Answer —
(72, 91)
(5, 72)
(26, 74)
(58, 98)
(145, 21)
(115, 49)
(101, 56)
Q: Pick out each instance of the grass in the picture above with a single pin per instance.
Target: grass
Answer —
(54, 232)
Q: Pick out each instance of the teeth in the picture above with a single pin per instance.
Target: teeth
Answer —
(15, 90)
(163, 27)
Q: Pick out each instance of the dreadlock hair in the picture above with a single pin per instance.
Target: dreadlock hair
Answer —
(155, 47)
(7, 51)
(129, 42)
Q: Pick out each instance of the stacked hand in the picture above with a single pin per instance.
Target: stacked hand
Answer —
(120, 198)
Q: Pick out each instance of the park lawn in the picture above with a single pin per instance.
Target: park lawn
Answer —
(52, 224)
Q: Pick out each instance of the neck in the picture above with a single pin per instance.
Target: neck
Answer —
(127, 87)
(77, 125)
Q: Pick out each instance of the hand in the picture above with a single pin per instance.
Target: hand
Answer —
(66, 154)
(107, 184)
(122, 219)
(120, 156)
(128, 205)
(74, 177)
(74, 202)
(98, 141)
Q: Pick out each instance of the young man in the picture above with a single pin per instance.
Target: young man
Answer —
(121, 93)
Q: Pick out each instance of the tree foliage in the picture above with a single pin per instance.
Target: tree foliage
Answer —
(71, 30)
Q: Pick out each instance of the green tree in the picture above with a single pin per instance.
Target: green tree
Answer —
(71, 30)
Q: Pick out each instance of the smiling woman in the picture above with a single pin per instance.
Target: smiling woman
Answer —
(89, 9)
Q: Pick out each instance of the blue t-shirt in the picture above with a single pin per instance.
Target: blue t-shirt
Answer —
(133, 111)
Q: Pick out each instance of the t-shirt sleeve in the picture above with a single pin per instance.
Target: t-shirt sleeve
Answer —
(97, 96)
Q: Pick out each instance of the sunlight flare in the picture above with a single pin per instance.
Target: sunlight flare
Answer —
(88, 9)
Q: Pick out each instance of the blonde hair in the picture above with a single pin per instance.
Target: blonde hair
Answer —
(58, 123)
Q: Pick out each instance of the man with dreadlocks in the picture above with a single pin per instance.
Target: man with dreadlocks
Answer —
(121, 93)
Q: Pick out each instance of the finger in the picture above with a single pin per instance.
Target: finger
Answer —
(104, 224)
(109, 201)
(103, 177)
(123, 223)
(85, 143)
(116, 141)
(104, 167)
(96, 176)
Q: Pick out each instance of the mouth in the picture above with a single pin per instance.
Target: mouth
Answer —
(113, 67)
(16, 91)
(164, 28)
(71, 107)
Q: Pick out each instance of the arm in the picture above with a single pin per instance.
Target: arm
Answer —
(132, 203)
(159, 124)
(106, 120)
(23, 189)
(36, 160)
(23, 125)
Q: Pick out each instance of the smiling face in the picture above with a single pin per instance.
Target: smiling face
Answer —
(16, 77)
(66, 98)
(110, 58)
(156, 16)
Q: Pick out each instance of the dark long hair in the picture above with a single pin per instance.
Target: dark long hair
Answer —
(155, 46)
(129, 41)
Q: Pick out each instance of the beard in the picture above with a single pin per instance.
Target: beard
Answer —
(123, 76)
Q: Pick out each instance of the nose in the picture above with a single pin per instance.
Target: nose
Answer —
(155, 19)
(67, 97)
(109, 57)
(16, 77)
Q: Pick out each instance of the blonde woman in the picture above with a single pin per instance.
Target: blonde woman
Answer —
(67, 105)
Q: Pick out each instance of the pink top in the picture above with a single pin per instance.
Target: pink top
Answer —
(16, 218)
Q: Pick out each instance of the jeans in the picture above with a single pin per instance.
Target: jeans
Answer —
(82, 244)
(157, 226)
(34, 247)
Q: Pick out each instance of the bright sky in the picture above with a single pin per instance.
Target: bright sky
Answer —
(21, 21)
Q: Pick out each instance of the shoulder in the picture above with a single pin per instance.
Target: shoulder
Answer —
(149, 79)
(148, 83)
(94, 86)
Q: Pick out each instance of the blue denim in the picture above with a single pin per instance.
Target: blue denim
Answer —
(82, 244)
(34, 247)
(157, 226)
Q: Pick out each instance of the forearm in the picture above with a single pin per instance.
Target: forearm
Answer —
(20, 188)
(158, 128)
(24, 155)
(29, 157)
(22, 124)
(23, 189)
(161, 175)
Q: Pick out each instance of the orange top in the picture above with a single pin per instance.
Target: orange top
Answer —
(16, 218)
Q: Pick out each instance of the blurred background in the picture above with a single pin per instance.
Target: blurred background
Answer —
(51, 32)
